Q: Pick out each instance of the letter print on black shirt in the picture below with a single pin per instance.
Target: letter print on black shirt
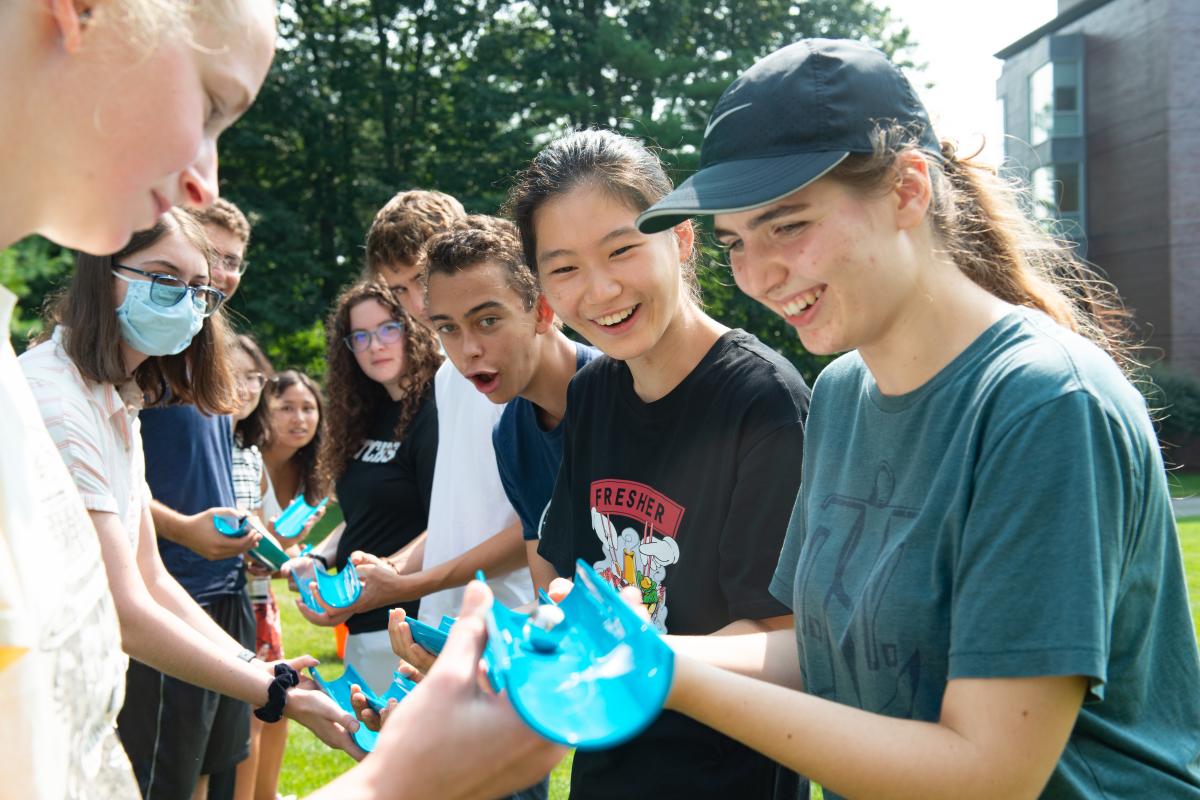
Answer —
(637, 527)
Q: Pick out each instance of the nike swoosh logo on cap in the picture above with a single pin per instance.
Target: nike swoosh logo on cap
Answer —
(717, 121)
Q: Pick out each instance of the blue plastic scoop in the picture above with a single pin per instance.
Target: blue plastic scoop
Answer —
(233, 527)
(430, 638)
(588, 673)
(339, 690)
(267, 553)
(339, 590)
(289, 524)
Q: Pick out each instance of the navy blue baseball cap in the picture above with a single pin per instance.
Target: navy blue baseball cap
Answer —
(788, 120)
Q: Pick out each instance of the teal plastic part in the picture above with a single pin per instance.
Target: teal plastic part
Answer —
(587, 672)
(267, 553)
(338, 590)
(233, 527)
(399, 689)
(591, 677)
(289, 524)
(430, 638)
(339, 690)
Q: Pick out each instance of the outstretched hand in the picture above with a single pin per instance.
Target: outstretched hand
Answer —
(368, 716)
(317, 711)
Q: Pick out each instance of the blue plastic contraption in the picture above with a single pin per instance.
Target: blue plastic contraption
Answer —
(587, 672)
(289, 524)
(339, 690)
(233, 527)
(267, 553)
(430, 638)
(338, 590)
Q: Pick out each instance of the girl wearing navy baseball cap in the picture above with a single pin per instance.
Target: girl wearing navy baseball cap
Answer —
(982, 562)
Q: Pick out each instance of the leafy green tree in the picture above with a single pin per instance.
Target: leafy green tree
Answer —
(368, 97)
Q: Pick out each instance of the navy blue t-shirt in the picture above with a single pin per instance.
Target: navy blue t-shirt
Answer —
(529, 456)
(189, 466)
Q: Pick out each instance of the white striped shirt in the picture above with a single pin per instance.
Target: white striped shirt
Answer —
(96, 430)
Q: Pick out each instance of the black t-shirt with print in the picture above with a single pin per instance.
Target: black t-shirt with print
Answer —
(688, 498)
(384, 494)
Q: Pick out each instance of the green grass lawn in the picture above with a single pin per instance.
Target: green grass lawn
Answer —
(309, 764)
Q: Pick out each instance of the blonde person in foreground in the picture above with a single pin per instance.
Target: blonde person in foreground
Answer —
(109, 114)
(982, 562)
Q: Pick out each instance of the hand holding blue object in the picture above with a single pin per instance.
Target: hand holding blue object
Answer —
(290, 523)
(340, 590)
(587, 672)
(232, 526)
(592, 675)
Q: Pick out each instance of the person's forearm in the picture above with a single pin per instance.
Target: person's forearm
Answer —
(153, 635)
(169, 523)
(327, 549)
(408, 559)
(860, 754)
(540, 570)
(167, 592)
(498, 555)
(766, 655)
(371, 779)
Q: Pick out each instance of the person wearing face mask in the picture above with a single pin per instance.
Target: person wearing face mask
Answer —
(159, 334)
(189, 463)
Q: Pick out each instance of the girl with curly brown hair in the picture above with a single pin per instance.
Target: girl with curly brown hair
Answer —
(379, 455)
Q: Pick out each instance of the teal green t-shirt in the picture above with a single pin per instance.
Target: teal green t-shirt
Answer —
(1009, 518)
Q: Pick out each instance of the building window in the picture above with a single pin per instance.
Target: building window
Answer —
(1058, 198)
(1041, 104)
(1054, 101)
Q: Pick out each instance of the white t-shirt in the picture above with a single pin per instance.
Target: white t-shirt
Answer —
(467, 504)
(62, 670)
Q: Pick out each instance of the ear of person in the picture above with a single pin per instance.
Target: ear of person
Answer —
(71, 18)
(913, 191)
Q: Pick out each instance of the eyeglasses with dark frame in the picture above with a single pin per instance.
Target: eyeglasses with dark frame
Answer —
(167, 290)
(387, 333)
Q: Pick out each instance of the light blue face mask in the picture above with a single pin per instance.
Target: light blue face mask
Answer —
(153, 329)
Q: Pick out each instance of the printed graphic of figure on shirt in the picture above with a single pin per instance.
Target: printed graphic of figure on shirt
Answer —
(637, 555)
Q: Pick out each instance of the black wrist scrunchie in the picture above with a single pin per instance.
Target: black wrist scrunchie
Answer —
(285, 678)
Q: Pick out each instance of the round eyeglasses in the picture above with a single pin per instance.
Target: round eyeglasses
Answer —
(168, 290)
(387, 333)
(254, 381)
(231, 263)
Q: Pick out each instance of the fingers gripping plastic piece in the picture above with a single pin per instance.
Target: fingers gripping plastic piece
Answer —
(398, 690)
(589, 674)
(233, 527)
(339, 690)
(289, 524)
(267, 553)
(339, 590)
(430, 638)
